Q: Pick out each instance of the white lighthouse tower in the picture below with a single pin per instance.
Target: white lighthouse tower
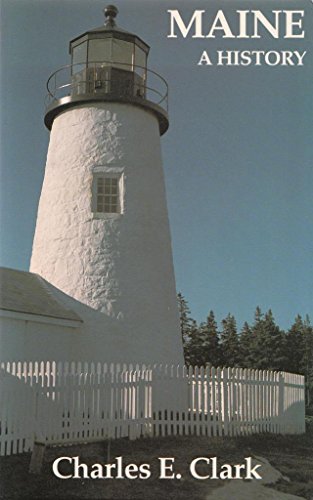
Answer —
(102, 233)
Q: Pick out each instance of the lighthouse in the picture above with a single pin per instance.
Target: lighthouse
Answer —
(102, 233)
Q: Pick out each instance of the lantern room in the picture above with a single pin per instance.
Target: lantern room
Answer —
(109, 59)
(107, 64)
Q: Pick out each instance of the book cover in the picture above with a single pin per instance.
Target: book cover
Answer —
(153, 149)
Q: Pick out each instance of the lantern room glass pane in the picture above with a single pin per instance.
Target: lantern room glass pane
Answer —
(140, 60)
(123, 52)
(140, 57)
(99, 50)
(79, 56)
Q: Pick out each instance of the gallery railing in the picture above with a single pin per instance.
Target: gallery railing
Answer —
(108, 79)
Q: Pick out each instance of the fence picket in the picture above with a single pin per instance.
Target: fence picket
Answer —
(224, 383)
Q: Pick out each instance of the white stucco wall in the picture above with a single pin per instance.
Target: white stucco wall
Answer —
(23, 340)
(97, 337)
(119, 264)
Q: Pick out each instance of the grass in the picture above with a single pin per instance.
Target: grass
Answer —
(291, 455)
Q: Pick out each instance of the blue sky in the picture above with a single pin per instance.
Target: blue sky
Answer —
(237, 156)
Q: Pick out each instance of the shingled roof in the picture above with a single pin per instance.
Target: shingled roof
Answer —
(25, 292)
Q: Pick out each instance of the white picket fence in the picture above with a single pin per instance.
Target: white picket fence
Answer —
(71, 402)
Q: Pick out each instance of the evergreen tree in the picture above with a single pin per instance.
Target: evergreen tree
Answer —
(212, 336)
(255, 348)
(295, 347)
(299, 353)
(246, 347)
(188, 328)
(258, 315)
(307, 360)
(184, 318)
(195, 352)
(208, 342)
(268, 345)
(229, 342)
(275, 343)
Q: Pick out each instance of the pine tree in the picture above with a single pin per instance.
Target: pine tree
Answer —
(295, 347)
(195, 351)
(246, 347)
(258, 315)
(307, 360)
(229, 342)
(276, 343)
(299, 353)
(255, 347)
(184, 318)
(268, 345)
(188, 327)
(208, 341)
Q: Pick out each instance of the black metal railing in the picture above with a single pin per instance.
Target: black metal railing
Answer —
(108, 78)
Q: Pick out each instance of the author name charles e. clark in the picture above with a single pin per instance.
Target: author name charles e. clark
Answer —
(200, 468)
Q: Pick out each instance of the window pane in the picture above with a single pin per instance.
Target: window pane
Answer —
(140, 57)
(123, 52)
(99, 50)
(140, 60)
(80, 53)
(79, 60)
(107, 194)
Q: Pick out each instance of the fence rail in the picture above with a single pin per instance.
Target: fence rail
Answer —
(69, 402)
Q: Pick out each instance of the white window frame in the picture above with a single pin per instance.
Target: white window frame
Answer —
(107, 173)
